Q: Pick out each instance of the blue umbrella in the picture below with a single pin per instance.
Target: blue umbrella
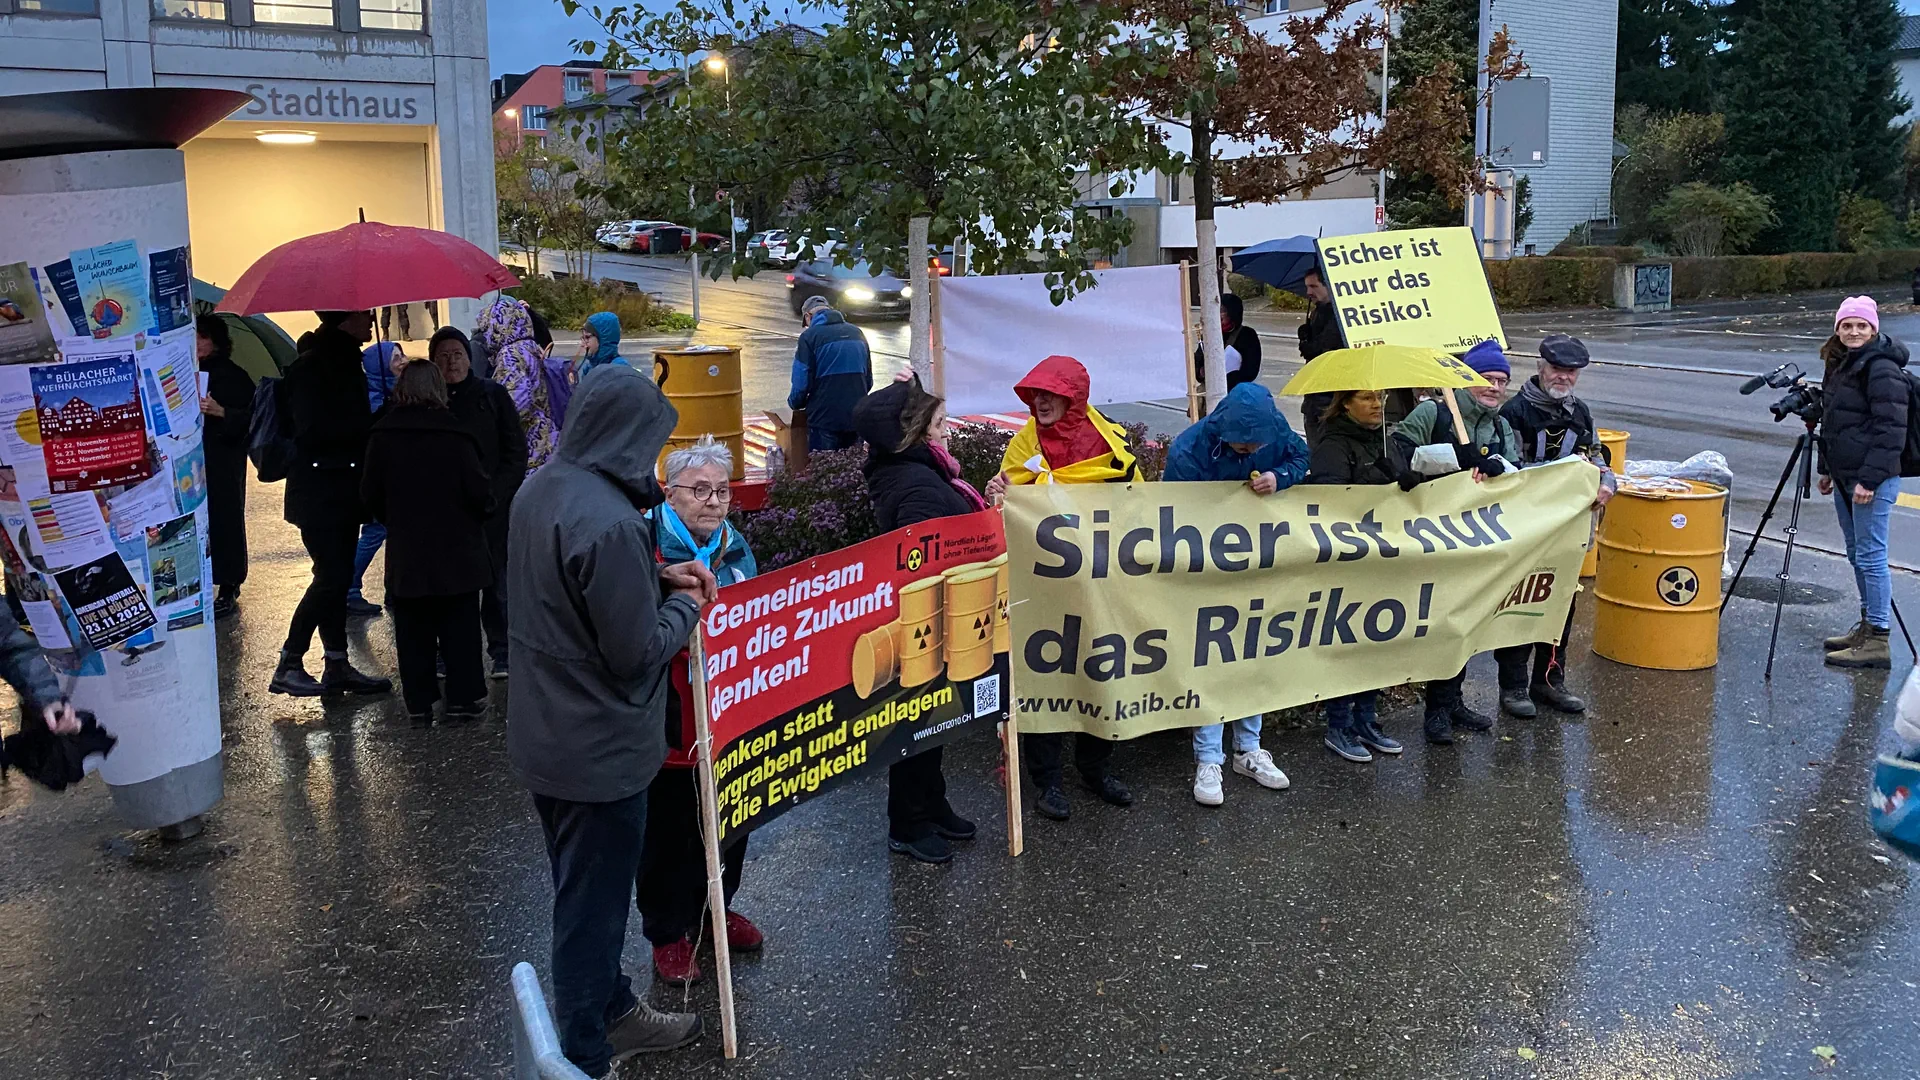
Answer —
(1282, 264)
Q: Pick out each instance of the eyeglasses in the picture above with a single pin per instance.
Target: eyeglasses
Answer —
(1497, 381)
(707, 492)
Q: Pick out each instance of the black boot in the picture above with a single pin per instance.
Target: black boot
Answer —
(1517, 703)
(1464, 717)
(291, 678)
(1110, 789)
(1439, 727)
(1556, 698)
(341, 677)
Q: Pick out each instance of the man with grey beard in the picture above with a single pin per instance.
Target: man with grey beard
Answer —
(1551, 423)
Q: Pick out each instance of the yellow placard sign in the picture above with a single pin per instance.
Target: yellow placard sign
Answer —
(1147, 606)
(1422, 287)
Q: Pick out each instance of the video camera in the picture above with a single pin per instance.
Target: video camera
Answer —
(1802, 399)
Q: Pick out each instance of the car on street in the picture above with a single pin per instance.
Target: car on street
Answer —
(769, 248)
(862, 289)
(614, 234)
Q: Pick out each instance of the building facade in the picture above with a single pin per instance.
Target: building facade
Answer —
(374, 106)
(528, 105)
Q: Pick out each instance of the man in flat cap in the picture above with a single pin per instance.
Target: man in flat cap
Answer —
(1550, 423)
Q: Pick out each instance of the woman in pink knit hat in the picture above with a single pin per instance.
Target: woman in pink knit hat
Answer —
(1863, 435)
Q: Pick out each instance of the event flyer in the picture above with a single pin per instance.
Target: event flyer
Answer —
(141, 506)
(168, 377)
(171, 278)
(112, 284)
(25, 335)
(173, 558)
(66, 294)
(70, 529)
(107, 601)
(854, 661)
(92, 433)
(189, 463)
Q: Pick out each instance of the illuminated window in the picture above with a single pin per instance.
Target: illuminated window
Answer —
(533, 118)
(209, 10)
(59, 7)
(294, 12)
(579, 86)
(404, 16)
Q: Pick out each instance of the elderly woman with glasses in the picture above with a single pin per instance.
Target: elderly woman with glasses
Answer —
(672, 886)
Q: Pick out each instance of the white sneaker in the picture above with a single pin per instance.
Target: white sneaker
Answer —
(1206, 785)
(1259, 765)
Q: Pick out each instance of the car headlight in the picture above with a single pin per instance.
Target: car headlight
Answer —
(858, 293)
(906, 292)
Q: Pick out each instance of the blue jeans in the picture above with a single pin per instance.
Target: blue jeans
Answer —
(372, 535)
(1355, 711)
(1207, 740)
(1865, 528)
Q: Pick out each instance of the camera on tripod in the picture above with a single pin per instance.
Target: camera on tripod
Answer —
(1802, 398)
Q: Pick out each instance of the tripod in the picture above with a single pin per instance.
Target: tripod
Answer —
(1802, 489)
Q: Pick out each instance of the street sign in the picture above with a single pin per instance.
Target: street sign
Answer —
(1379, 216)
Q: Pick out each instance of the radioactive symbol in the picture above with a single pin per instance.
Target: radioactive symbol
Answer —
(1678, 586)
(915, 558)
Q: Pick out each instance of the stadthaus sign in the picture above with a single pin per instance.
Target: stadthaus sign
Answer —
(302, 101)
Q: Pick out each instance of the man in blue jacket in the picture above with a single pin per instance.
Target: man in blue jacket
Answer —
(1246, 440)
(832, 369)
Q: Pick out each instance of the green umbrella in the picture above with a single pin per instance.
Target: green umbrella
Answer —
(260, 347)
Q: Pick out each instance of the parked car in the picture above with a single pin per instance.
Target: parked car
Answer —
(642, 240)
(806, 250)
(613, 235)
(860, 289)
(710, 241)
(631, 239)
(769, 247)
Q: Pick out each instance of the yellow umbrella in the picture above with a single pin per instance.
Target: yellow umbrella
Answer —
(1382, 367)
(1387, 367)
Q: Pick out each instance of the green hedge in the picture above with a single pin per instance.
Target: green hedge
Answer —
(1749, 275)
(1551, 281)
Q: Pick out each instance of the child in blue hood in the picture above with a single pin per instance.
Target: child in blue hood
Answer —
(1245, 439)
(600, 342)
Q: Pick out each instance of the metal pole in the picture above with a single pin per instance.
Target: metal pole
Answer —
(693, 264)
(1384, 43)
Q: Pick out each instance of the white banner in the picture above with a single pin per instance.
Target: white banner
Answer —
(1129, 331)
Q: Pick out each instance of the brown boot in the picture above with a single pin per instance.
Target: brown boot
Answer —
(1870, 653)
(1849, 639)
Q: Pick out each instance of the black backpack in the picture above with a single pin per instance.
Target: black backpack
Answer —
(269, 438)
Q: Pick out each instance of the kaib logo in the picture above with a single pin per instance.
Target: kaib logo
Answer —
(1535, 588)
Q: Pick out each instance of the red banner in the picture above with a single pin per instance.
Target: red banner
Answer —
(853, 660)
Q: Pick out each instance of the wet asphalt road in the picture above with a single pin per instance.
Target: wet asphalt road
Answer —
(1680, 886)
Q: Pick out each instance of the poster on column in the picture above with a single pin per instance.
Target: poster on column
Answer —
(26, 336)
(170, 277)
(106, 599)
(853, 661)
(92, 432)
(173, 558)
(170, 385)
(1143, 607)
(112, 283)
(1420, 287)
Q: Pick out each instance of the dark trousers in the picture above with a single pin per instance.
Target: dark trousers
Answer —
(672, 891)
(1046, 755)
(823, 439)
(1444, 694)
(227, 517)
(595, 850)
(426, 627)
(1353, 712)
(1549, 660)
(493, 618)
(916, 793)
(324, 607)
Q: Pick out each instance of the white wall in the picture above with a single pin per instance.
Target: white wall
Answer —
(1244, 226)
(1909, 69)
(1572, 43)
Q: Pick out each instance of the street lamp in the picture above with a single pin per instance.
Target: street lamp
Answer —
(716, 63)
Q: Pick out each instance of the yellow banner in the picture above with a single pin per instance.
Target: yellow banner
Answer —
(1424, 287)
(1140, 607)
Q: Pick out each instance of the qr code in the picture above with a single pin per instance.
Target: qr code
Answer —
(986, 695)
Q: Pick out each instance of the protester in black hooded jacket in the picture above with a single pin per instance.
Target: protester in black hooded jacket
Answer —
(325, 394)
(423, 481)
(1235, 334)
(485, 411)
(910, 479)
(228, 408)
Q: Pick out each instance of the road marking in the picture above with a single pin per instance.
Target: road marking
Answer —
(1911, 502)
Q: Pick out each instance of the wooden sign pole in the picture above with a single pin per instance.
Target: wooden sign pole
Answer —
(710, 830)
(1194, 396)
(937, 343)
(1010, 732)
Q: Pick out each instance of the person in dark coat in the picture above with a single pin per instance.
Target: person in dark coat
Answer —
(1354, 449)
(485, 411)
(382, 361)
(1321, 333)
(325, 393)
(1243, 361)
(228, 409)
(1863, 436)
(423, 481)
(832, 370)
(912, 478)
(1550, 423)
(596, 623)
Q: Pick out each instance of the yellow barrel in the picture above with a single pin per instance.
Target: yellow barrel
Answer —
(703, 382)
(1616, 444)
(1659, 582)
(873, 660)
(1002, 633)
(970, 589)
(918, 646)
(920, 600)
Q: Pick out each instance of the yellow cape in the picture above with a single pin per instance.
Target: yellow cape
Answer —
(1024, 463)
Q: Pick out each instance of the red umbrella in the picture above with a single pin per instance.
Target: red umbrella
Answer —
(365, 265)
